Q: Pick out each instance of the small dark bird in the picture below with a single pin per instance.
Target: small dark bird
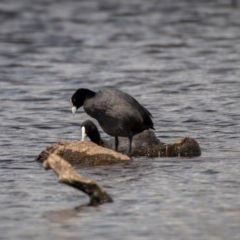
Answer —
(140, 140)
(118, 113)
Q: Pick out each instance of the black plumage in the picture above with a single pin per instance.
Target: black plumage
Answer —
(144, 139)
(118, 113)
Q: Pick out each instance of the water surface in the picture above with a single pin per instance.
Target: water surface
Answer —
(180, 59)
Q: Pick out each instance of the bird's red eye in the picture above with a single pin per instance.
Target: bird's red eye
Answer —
(74, 100)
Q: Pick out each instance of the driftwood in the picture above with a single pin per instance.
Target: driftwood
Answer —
(183, 147)
(83, 153)
(55, 157)
(66, 174)
(86, 153)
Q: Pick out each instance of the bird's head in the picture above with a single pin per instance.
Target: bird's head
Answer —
(77, 100)
(90, 129)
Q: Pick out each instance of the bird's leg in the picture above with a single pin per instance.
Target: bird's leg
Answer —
(116, 143)
(130, 144)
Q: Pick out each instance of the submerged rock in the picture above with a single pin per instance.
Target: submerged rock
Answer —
(83, 153)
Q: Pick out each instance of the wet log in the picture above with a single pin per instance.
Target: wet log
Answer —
(84, 153)
(67, 175)
(183, 147)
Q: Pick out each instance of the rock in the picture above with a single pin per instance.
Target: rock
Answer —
(83, 153)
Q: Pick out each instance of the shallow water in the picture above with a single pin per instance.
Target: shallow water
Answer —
(180, 59)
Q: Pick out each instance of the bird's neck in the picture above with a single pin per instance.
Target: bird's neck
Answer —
(95, 137)
(89, 94)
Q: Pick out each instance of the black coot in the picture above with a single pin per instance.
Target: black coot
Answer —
(118, 113)
(90, 129)
(143, 139)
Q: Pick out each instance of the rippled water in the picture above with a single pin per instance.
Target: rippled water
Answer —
(180, 59)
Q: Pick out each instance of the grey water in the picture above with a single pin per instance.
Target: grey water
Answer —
(180, 59)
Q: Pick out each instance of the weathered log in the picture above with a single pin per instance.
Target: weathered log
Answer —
(83, 153)
(90, 154)
(183, 147)
(66, 174)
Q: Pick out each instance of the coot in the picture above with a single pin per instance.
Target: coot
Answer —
(90, 129)
(143, 139)
(118, 113)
